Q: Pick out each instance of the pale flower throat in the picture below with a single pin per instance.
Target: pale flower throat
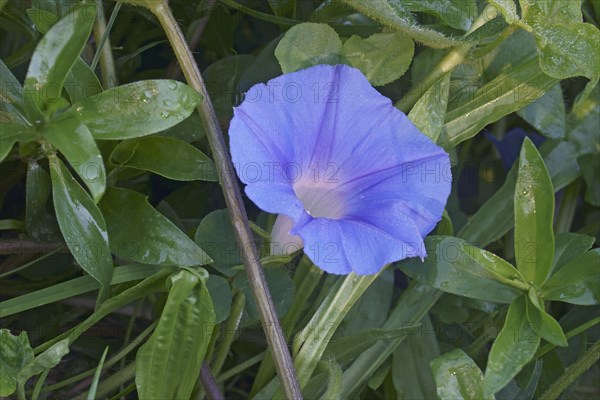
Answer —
(320, 199)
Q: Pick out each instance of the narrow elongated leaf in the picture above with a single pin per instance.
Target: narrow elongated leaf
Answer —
(346, 349)
(81, 224)
(76, 143)
(138, 232)
(136, 109)
(54, 56)
(455, 267)
(392, 15)
(534, 216)
(168, 365)
(82, 83)
(308, 44)
(94, 386)
(542, 322)
(169, 157)
(577, 282)
(429, 112)
(15, 353)
(505, 94)
(39, 222)
(458, 377)
(497, 214)
(514, 347)
(382, 57)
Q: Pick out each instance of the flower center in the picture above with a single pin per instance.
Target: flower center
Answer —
(320, 199)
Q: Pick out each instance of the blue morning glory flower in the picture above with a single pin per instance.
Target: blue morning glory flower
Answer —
(353, 180)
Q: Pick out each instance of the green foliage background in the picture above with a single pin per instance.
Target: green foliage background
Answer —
(119, 270)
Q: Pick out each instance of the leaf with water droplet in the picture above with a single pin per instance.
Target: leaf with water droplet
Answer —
(82, 225)
(136, 109)
(534, 216)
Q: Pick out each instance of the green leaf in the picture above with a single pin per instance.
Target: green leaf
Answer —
(497, 214)
(216, 236)
(547, 114)
(220, 293)
(392, 15)
(534, 216)
(168, 364)
(567, 48)
(138, 232)
(82, 225)
(156, 154)
(456, 267)
(136, 109)
(15, 353)
(308, 44)
(507, 93)
(382, 57)
(457, 14)
(458, 377)
(590, 169)
(411, 373)
(82, 83)
(40, 223)
(577, 282)
(514, 347)
(429, 112)
(46, 360)
(507, 8)
(282, 292)
(74, 140)
(569, 246)
(542, 322)
(54, 56)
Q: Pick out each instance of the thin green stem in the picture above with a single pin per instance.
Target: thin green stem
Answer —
(240, 367)
(104, 52)
(233, 199)
(573, 372)
(147, 286)
(115, 359)
(453, 59)
(568, 205)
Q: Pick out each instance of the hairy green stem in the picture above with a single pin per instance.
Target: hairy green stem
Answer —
(233, 199)
(453, 59)
(107, 62)
(573, 372)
